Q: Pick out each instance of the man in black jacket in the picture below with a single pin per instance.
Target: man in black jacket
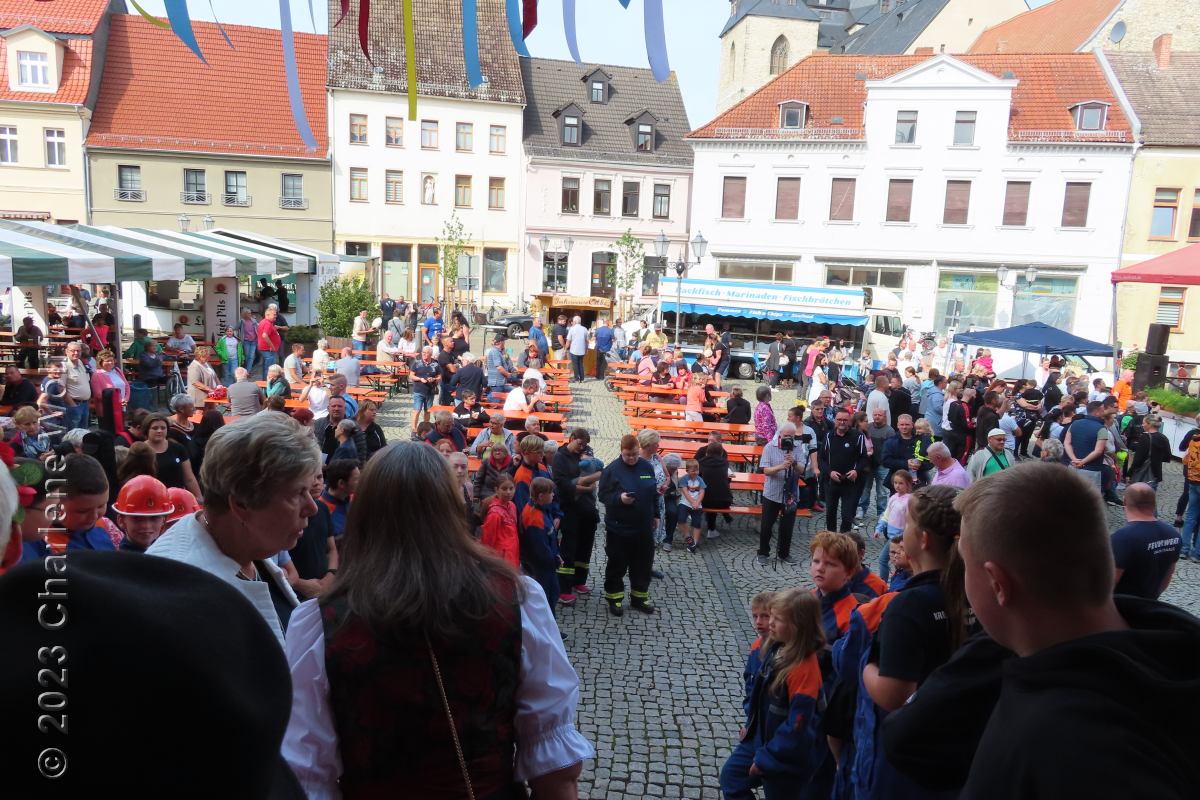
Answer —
(989, 418)
(908, 451)
(899, 399)
(629, 492)
(842, 459)
(1090, 706)
(577, 499)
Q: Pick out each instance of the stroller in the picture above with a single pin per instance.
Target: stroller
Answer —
(848, 394)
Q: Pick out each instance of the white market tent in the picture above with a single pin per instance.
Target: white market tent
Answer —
(41, 254)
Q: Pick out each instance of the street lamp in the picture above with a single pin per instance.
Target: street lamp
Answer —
(209, 222)
(1031, 275)
(556, 256)
(183, 223)
(698, 245)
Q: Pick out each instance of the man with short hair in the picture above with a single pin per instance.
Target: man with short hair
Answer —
(78, 382)
(341, 481)
(29, 336)
(269, 340)
(361, 330)
(527, 398)
(604, 343)
(993, 457)
(245, 398)
(325, 430)
(248, 332)
(1085, 442)
(949, 471)
(432, 327)
(907, 450)
(899, 399)
(558, 338)
(537, 335)
(620, 347)
(338, 388)
(577, 347)
(469, 377)
(294, 368)
(444, 428)
(1145, 549)
(387, 306)
(783, 464)
(447, 365)
(17, 390)
(879, 432)
(423, 376)
(1086, 664)
(499, 367)
(843, 458)
(878, 398)
(576, 489)
(935, 399)
(347, 367)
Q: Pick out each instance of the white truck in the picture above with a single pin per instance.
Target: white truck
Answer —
(754, 312)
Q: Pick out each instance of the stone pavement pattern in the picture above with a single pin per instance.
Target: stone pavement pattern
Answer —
(660, 696)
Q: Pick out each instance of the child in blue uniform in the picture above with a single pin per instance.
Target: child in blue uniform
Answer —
(778, 750)
(86, 490)
(539, 537)
(901, 569)
(760, 613)
(864, 583)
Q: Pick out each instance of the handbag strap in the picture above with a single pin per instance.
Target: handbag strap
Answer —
(462, 762)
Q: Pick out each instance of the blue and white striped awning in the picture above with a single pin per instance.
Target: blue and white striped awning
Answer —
(38, 253)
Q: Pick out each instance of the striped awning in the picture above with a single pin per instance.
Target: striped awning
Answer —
(38, 253)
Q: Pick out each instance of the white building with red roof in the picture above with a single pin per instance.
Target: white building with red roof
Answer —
(51, 56)
(940, 178)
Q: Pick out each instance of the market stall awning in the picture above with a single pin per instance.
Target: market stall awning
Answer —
(1181, 266)
(36, 253)
(1035, 337)
(826, 306)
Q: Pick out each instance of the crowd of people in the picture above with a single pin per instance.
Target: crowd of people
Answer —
(370, 576)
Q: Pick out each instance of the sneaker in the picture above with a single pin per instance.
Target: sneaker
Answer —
(859, 514)
(646, 608)
(787, 559)
(657, 573)
(667, 547)
(567, 599)
(763, 560)
(1114, 501)
(691, 545)
(615, 609)
(818, 507)
(714, 534)
(582, 589)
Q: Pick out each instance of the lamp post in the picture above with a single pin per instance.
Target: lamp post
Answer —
(209, 222)
(698, 245)
(184, 221)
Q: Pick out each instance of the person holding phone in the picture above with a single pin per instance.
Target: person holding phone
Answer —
(783, 464)
(629, 491)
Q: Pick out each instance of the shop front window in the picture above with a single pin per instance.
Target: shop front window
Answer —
(1049, 299)
(890, 278)
(653, 272)
(977, 291)
(554, 272)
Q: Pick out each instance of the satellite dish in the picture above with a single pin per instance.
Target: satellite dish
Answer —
(1118, 32)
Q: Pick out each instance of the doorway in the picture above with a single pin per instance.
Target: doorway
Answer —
(427, 257)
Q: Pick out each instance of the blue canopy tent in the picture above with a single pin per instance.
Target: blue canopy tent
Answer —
(1036, 337)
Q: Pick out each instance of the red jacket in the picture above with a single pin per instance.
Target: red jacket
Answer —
(268, 337)
(500, 531)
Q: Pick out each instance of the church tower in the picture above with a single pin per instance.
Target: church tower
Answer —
(761, 39)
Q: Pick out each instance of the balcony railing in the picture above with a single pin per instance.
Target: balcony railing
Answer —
(1067, 136)
(195, 198)
(240, 200)
(794, 134)
(299, 203)
(130, 195)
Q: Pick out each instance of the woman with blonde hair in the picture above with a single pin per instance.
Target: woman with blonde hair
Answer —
(108, 375)
(430, 604)
(201, 377)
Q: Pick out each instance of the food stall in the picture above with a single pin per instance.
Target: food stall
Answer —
(589, 309)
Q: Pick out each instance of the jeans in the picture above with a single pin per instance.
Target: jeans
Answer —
(601, 364)
(270, 359)
(250, 349)
(1191, 522)
(738, 784)
(787, 522)
(878, 476)
(357, 345)
(845, 494)
(76, 416)
(227, 370)
(577, 367)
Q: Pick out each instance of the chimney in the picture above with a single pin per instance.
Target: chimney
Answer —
(1001, 46)
(1162, 51)
(923, 51)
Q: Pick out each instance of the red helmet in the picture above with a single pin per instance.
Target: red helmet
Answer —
(143, 496)
(184, 501)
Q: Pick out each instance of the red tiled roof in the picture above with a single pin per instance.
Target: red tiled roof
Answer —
(1063, 26)
(76, 75)
(53, 16)
(156, 94)
(1048, 85)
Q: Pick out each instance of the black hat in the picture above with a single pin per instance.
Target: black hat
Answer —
(141, 677)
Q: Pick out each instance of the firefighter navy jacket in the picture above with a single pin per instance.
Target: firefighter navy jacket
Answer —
(786, 730)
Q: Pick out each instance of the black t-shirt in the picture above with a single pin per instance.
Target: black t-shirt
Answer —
(469, 378)
(555, 332)
(445, 360)
(1146, 551)
(422, 370)
(721, 352)
(311, 553)
(170, 465)
(914, 636)
(19, 393)
(737, 411)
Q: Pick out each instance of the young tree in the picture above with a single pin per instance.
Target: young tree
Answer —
(454, 241)
(627, 272)
(340, 301)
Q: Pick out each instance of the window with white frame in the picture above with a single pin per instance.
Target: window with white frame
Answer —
(33, 69)
(8, 144)
(496, 193)
(1090, 116)
(964, 128)
(495, 269)
(1170, 307)
(429, 134)
(464, 137)
(906, 127)
(762, 271)
(358, 129)
(195, 186)
(394, 132)
(570, 130)
(291, 190)
(56, 147)
(860, 275)
(393, 183)
(497, 139)
(236, 188)
(358, 185)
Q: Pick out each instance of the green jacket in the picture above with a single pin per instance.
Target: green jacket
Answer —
(223, 352)
(137, 348)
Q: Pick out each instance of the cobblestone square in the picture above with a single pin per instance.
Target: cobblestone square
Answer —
(660, 695)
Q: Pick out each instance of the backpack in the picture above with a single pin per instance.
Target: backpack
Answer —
(1192, 460)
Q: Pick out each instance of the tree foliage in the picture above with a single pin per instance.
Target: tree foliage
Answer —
(340, 301)
(454, 241)
(631, 262)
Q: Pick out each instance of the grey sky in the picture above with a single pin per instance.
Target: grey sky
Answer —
(607, 34)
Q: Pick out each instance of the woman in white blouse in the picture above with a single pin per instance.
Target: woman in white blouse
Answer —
(201, 377)
(416, 599)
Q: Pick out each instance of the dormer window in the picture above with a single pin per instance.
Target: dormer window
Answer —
(1090, 116)
(793, 114)
(570, 130)
(33, 69)
(598, 85)
(645, 137)
(597, 91)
